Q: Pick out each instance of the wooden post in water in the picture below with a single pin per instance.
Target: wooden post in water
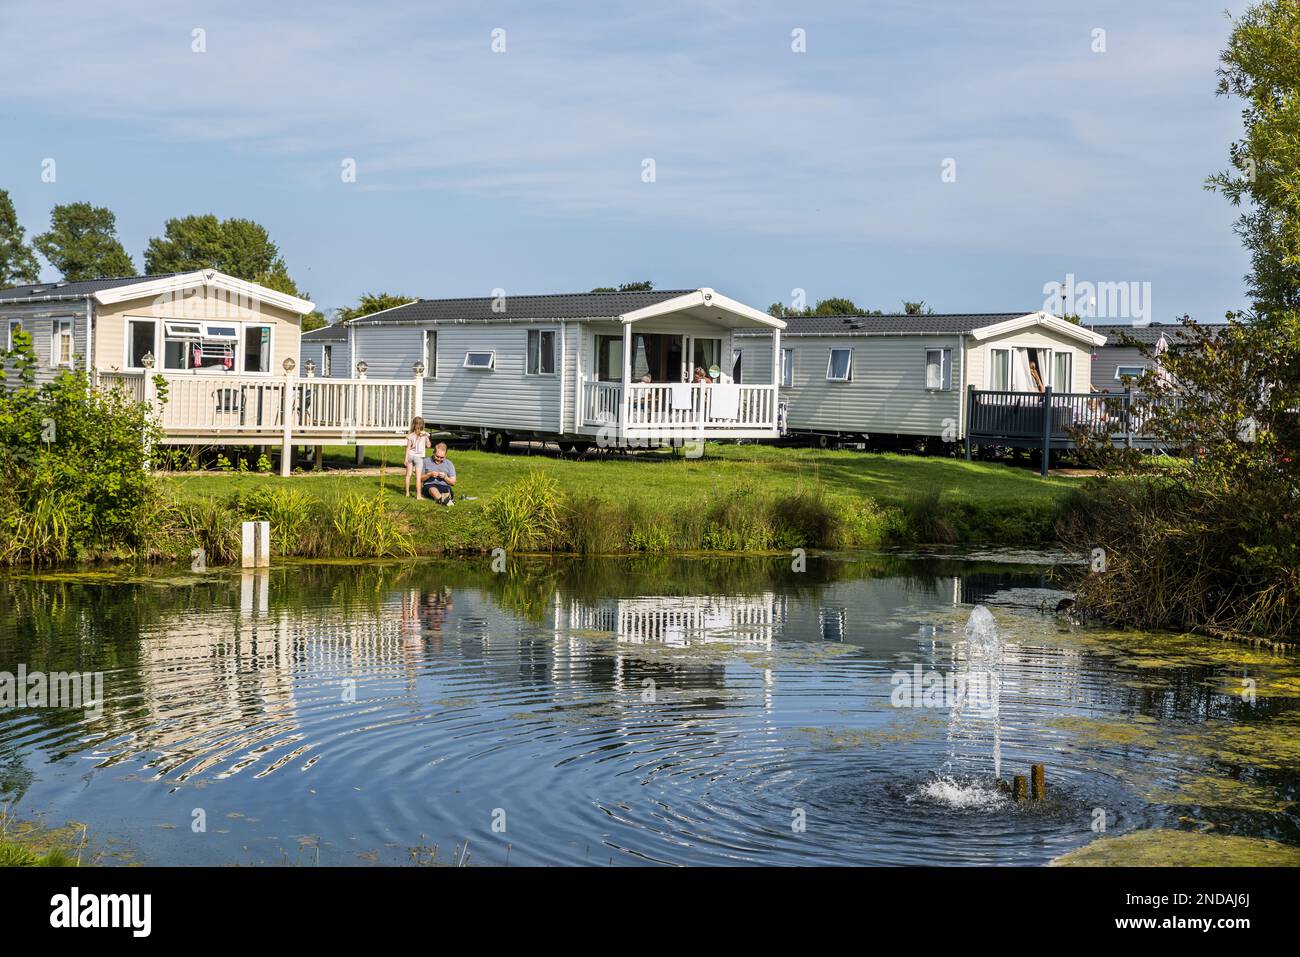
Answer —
(1020, 788)
(1038, 778)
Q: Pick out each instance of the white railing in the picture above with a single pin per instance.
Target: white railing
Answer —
(689, 408)
(132, 382)
(232, 403)
(600, 402)
(367, 405)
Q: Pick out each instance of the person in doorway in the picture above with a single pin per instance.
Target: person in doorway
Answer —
(438, 475)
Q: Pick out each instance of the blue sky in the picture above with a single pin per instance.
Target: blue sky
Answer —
(774, 170)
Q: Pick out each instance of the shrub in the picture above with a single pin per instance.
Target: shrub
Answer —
(526, 516)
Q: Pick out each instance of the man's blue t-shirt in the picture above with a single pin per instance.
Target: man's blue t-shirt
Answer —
(443, 468)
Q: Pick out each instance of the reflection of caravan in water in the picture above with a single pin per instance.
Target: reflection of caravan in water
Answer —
(681, 621)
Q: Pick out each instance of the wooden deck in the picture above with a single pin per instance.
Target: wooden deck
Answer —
(1055, 420)
(215, 409)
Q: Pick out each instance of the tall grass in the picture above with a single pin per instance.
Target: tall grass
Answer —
(364, 528)
(526, 515)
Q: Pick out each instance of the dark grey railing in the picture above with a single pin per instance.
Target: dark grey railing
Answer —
(1050, 419)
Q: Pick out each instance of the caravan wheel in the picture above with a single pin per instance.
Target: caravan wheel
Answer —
(497, 442)
(822, 441)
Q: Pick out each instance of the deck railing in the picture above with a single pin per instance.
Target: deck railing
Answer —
(234, 403)
(1056, 419)
(689, 408)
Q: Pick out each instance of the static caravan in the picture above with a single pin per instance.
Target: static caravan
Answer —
(611, 369)
(226, 350)
(327, 352)
(909, 376)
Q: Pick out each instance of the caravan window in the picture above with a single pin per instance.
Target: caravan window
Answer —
(609, 358)
(1000, 370)
(257, 348)
(839, 368)
(541, 352)
(15, 326)
(787, 368)
(141, 338)
(431, 353)
(735, 365)
(61, 347)
(1129, 372)
(480, 360)
(1062, 367)
(938, 369)
(326, 361)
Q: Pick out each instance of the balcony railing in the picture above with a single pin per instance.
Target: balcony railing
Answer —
(685, 409)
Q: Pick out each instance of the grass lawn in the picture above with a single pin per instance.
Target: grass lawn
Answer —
(987, 503)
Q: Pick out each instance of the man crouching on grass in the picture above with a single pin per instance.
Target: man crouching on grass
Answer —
(437, 475)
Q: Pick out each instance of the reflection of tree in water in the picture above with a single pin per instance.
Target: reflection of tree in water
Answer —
(15, 776)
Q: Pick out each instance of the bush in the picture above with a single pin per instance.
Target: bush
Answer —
(525, 516)
(72, 462)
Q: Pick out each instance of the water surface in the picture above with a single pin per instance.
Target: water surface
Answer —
(626, 711)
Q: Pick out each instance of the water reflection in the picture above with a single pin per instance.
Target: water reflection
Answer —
(618, 711)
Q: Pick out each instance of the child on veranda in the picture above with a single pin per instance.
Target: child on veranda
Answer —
(417, 446)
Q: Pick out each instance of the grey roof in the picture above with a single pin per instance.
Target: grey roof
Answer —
(931, 325)
(1147, 335)
(571, 305)
(72, 290)
(334, 332)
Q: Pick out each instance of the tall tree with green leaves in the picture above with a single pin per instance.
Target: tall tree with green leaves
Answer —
(236, 247)
(17, 260)
(372, 302)
(1214, 544)
(82, 243)
(1260, 68)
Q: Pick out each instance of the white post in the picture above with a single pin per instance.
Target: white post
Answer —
(286, 417)
(150, 401)
(627, 377)
(417, 399)
(777, 358)
(248, 545)
(263, 544)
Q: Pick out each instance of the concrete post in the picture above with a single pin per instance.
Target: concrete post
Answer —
(287, 415)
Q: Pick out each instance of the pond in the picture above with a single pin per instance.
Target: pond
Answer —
(620, 711)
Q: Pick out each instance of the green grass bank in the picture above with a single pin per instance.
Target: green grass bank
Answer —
(736, 498)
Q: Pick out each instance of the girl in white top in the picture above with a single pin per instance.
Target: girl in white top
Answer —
(417, 447)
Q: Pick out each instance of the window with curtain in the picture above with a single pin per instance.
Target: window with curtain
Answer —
(541, 352)
(609, 358)
(787, 368)
(938, 369)
(1000, 370)
(326, 360)
(430, 353)
(839, 367)
(1062, 371)
(61, 347)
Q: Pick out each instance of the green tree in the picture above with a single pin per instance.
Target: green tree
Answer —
(627, 287)
(236, 247)
(1214, 544)
(824, 307)
(82, 243)
(916, 308)
(17, 260)
(1260, 68)
(371, 302)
